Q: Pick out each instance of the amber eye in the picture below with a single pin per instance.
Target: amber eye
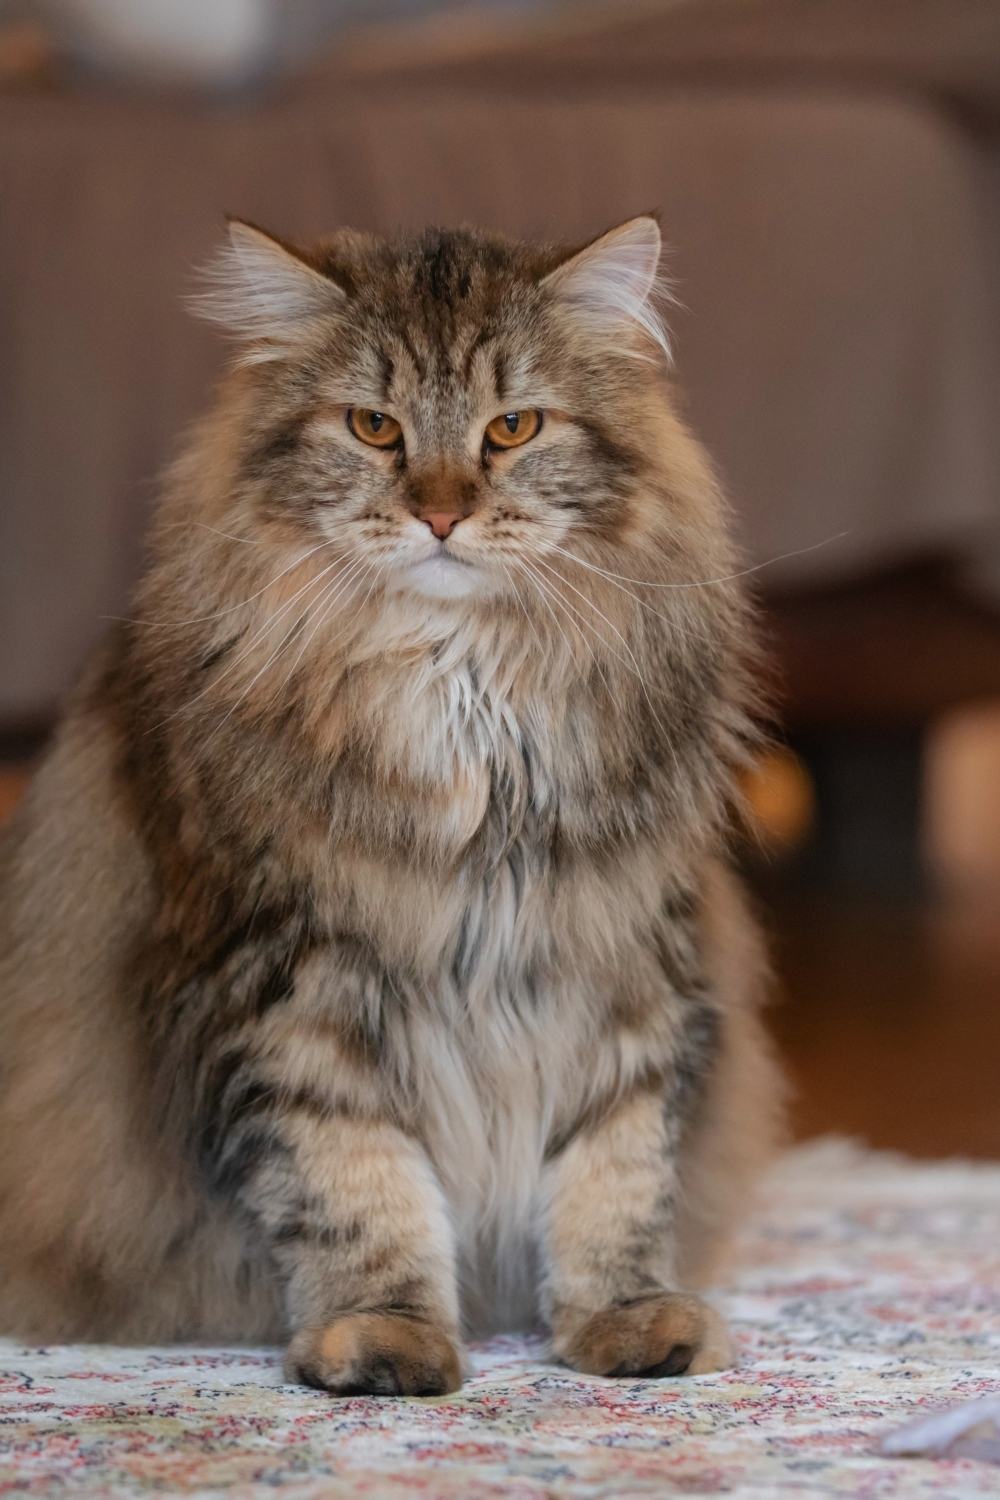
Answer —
(374, 427)
(513, 429)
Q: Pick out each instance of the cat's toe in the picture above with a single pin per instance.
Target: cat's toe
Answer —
(375, 1354)
(672, 1333)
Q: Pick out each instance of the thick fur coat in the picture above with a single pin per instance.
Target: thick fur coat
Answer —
(370, 963)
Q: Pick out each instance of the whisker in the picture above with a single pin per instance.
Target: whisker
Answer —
(528, 620)
(705, 583)
(553, 572)
(322, 607)
(263, 629)
(203, 525)
(548, 590)
(379, 570)
(682, 627)
(296, 625)
(312, 609)
(231, 608)
(247, 541)
(542, 594)
(635, 665)
(544, 590)
(248, 648)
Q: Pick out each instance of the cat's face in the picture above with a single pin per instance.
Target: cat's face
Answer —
(444, 412)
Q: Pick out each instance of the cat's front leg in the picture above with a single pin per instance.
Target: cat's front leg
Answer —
(610, 1289)
(372, 1295)
(357, 1226)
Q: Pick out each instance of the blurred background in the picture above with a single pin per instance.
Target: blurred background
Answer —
(828, 175)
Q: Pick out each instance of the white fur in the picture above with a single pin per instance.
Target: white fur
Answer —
(492, 1070)
(443, 577)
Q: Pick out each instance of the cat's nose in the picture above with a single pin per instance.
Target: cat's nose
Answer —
(441, 522)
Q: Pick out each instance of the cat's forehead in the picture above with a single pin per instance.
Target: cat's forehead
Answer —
(437, 272)
(447, 313)
(440, 323)
(451, 268)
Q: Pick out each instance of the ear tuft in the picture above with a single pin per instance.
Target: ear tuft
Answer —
(263, 292)
(611, 284)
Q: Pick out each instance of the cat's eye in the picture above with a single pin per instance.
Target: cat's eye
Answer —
(513, 428)
(374, 427)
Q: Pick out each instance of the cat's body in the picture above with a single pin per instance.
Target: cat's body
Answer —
(367, 933)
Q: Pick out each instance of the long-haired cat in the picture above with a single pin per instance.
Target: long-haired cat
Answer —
(369, 960)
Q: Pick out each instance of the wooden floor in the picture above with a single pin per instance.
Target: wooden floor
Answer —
(889, 1021)
(888, 1017)
(888, 1014)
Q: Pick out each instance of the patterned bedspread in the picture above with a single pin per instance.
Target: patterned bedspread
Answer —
(866, 1291)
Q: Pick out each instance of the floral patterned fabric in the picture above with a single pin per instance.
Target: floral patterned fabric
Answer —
(866, 1292)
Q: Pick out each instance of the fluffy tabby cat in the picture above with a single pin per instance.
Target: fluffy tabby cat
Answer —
(369, 960)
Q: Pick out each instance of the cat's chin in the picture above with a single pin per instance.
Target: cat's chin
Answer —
(443, 578)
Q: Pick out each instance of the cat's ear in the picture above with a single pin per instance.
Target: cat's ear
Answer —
(611, 285)
(263, 292)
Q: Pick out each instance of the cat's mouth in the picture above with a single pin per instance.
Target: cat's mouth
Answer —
(447, 552)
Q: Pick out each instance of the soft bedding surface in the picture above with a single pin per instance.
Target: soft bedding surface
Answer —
(866, 1292)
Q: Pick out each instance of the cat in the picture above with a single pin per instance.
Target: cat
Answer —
(372, 968)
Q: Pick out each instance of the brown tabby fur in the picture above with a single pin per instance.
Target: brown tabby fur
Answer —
(367, 943)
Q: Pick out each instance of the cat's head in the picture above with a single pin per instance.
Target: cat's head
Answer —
(447, 410)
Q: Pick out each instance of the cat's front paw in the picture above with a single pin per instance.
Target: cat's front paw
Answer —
(375, 1354)
(672, 1333)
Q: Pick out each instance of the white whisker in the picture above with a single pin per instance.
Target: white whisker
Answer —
(635, 665)
(682, 627)
(321, 608)
(542, 593)
(261, 631)
(704, 583)
(296, 624)
(231, 608)
(524, 610)
(544, 589)
(247, 541)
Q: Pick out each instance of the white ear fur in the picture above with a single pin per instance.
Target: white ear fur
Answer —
(609, 284)
(262, 292)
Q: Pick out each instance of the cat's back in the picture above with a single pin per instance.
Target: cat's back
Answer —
(74, 891)
(71, 861)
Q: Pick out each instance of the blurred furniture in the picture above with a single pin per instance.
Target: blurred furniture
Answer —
(865, 668)
(827, 174)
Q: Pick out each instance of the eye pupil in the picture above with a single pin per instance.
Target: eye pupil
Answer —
(376, 428)
(512, 429)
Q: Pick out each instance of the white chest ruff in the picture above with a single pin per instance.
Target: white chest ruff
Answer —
(491, 1060)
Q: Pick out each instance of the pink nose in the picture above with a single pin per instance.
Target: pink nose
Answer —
(441, 522)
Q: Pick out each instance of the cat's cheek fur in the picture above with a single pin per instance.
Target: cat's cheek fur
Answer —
(370, 966)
